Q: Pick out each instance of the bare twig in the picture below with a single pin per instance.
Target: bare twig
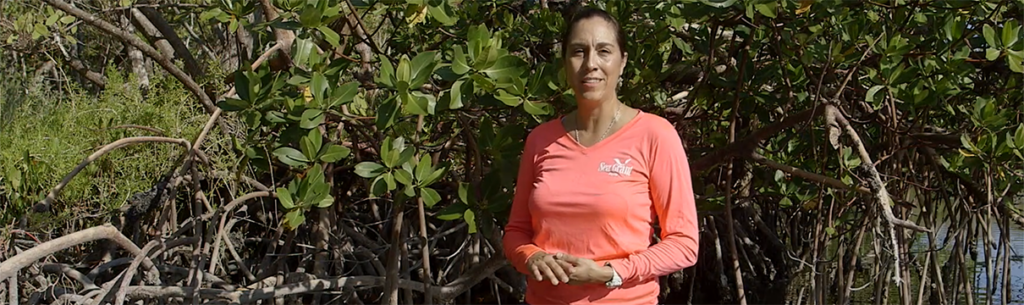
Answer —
(130, 272)
(836, 183)
(12, 289)
(729, 232)
(87, 283)
(749, 143)
(835, 120)
(11, 266)
(44, 205)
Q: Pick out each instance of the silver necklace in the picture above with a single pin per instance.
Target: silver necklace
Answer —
(615, 119)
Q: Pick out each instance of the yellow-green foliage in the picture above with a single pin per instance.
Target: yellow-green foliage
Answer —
(44, 135)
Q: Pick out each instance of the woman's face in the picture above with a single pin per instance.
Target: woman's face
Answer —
(593, 60)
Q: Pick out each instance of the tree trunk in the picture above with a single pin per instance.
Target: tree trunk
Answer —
(135, 57)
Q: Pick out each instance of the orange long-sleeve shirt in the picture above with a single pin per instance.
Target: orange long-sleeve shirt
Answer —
(600, 202)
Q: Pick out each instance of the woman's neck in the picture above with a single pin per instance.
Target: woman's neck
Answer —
(595, 115)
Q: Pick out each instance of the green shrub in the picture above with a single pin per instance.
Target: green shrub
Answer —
(45, 134)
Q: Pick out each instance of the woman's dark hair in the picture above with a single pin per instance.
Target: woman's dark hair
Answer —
(587, 12)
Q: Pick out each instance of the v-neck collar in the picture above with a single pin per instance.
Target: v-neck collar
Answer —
(575, 145)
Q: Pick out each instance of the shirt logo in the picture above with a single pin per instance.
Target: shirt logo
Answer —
(618, 169)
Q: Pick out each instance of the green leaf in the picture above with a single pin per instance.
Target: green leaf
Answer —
(452, 212)
(232, 105)
(406, 155)
(439, 14)
(290, 156)
(785, 202)
(430, 196)
(1018, 137)
(308, 149)
(330, 36)
(506, 66)
(992, 54)
(403, 176)
(389, 178)
(285, 197)
(455, 95)
(422, 67)
(870, 96)
(464, 194)
(67, 19)
(470, 218)
(15, 177)
(310, 17)
(990, 36)
(387, 151)
(459, 65)
(424, 168)
(404, 72)
(1011, 33)
(40, 30)
(434, 176)
(537, 108)
(479, 37)
(767, 9)
(368, 169)
(966, 142)
(317, 139)
(334, 153)
(1015, 62)
(719, 3)
(386, 113)
(387, 72)
(311, 118)
(318, 86)
(50, 21)
(326, 202)
(508, 98)
(315, 176)
(344, 94)
(294, 219)
(953, 28)
(411, 104)
(378, 187)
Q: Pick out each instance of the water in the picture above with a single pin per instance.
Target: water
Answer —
(980, 277)
(1016, 275)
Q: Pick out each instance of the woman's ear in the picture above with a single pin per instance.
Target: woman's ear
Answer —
(625, 58)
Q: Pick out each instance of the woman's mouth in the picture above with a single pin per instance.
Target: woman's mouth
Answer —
(591, 81)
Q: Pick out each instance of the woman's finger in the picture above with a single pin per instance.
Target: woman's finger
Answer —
(536, 272)
(546, 269)
(560, 271)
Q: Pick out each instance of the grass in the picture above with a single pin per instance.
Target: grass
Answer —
(45, 134)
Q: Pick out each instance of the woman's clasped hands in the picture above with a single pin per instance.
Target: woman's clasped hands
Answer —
(564, 268)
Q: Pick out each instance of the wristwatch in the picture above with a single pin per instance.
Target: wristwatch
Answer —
(616, 280)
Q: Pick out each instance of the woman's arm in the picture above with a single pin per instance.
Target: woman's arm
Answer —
(518, 239)
(674, 203)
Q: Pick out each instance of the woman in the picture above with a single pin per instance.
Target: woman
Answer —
(592, 183)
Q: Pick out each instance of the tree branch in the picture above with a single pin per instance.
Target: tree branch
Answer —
(835, 118)
(11, 266)
(142, 46)
(836, 183)
(170, 36)
(44, 205)
(745, 146)
(96, 78)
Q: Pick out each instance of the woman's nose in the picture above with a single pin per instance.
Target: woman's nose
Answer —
(590, 61)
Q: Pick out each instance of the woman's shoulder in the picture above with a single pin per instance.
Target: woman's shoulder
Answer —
(545, 132)
(655, 125)
(552, 127)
